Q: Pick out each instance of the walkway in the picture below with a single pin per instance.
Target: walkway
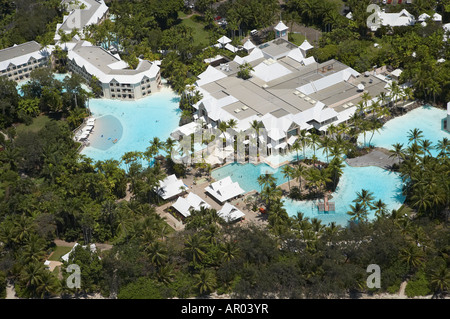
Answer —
(378, 157)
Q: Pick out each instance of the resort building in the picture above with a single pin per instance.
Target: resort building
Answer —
(81, 13)
(17, 62)
(396, 19)
(117, 79)
(184, 206)
(224, 190)
(287, 92)
(170, 187)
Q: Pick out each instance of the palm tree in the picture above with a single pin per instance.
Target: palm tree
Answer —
(358, 212)
(397, 151)
(443, 146)
(157, 253)
(314, 142)
(228, 251)
(427, 146)
(412, 256)
(365, 198)
(205, 281)
(288, 172)
(380, 209)
(335, 168)
(195, 246)
(325, 143)
(266, 179)
(271, 193)
(299, 171)
(414, 135)
(297, 147)
(304, 139)
(440, 280)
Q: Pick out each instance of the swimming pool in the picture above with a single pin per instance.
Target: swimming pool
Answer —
(384, 185)
(125, 126)
(428, 119)
(247, 174)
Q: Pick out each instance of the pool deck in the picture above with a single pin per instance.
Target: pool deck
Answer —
(377, 157)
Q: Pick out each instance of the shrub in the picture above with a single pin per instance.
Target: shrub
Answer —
(418, 286)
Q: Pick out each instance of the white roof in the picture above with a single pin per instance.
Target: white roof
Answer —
(231, 47)
(211, 74)
(92, 12)
(248, 45)
(306, 45)
(281, 26)
(309, 60)
(185, 130)
(170, 186)
(296, 54)
(254, 55)
(224, 40)
(192, 201)
(22, 53)
(270, 71)
(402, 18)
(224, 189)
(327, 81)
(93, 59)
(396, 72)
(437, 17)
(423, 17)
(230, 213)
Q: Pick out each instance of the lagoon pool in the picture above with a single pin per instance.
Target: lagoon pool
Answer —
(430, 120)
(125, 126)
(385, 185)
(247, 174)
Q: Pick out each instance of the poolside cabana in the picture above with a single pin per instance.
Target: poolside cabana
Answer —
(230, 213)
(224, 190)
(170, 187)
(191, 202)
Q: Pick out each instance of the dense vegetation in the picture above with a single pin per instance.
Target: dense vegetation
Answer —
(49, 191)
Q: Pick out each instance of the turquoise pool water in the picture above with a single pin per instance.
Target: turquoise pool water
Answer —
(428, 119)
(131, 124)
(385, 185)
(247, 174)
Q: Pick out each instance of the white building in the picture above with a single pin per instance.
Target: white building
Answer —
(192, 202)
(224, 189)
(81, 13)
(17, 62)
(117, 79)
(170, 187)
(287, 92)
(396, 19)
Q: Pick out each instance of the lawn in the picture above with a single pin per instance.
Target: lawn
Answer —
(38, 123)
(59, 252)
(201, 36)
(296, 38)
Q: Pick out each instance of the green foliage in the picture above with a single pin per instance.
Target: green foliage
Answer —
(143, 288)
(418, 286)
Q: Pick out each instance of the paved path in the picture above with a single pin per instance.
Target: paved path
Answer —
(377, 157)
